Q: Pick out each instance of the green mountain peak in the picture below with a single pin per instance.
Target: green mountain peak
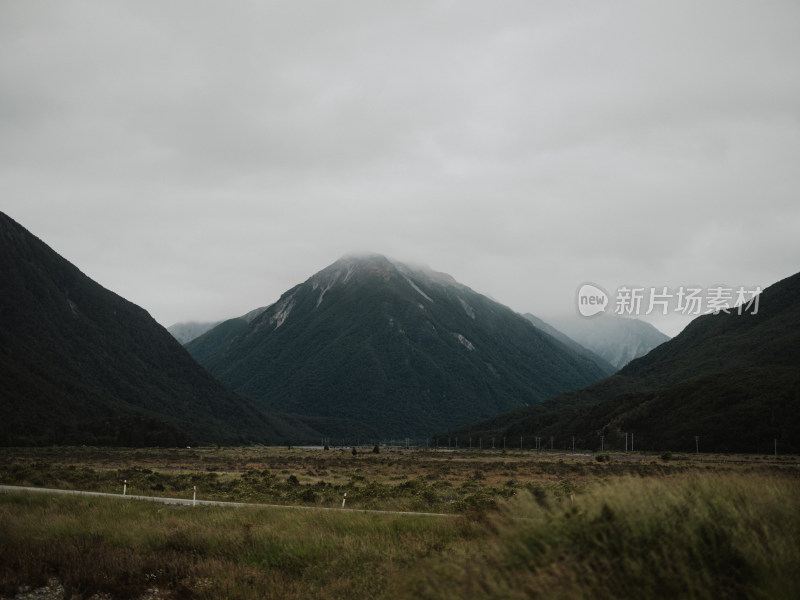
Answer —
(392, 350)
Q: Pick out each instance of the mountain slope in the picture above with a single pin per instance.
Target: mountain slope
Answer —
(731, 379)
(617, 339)
(223, 332)
(186, 332)
(80, 364)
(401, 351)
(606, 366)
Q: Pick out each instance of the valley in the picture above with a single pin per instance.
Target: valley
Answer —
(415, 479)
(98, 397)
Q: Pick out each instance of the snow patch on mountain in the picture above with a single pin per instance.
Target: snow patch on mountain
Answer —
(414, 285)
(322, 291)
(464, 341)
(282, 310)
(349, 272)
(467, 308)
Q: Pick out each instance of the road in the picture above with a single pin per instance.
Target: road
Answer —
(190, 502)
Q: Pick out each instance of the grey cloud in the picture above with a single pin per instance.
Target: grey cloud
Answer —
(219, 154)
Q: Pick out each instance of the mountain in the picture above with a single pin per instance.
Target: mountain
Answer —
(389, 350)
(81, 365)
(607, 367)
(223, 332)
(732, 380)
(190, 330)
(617, 339)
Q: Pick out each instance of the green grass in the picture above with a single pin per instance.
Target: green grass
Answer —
(702, 535)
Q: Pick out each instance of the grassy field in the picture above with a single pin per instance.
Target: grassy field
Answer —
(520, 525)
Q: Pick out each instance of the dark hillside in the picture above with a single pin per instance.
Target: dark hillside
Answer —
(81, 365)
(733, 380)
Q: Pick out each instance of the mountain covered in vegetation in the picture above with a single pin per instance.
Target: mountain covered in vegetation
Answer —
(81, 365)
(187, 331)
(390, 350)
(609, 368)
(727, 382)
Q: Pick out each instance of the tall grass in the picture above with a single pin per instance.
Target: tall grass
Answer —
(701, 536)
(695, 536)
(123, 547)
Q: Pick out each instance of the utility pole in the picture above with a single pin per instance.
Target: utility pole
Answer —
(697, 444)
(626, 442)
(631, 442)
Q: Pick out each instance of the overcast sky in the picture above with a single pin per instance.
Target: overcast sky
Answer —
(200, 158)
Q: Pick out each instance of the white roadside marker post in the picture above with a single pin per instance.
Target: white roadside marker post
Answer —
(344, 499)
(125, 488)
(194, 496)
